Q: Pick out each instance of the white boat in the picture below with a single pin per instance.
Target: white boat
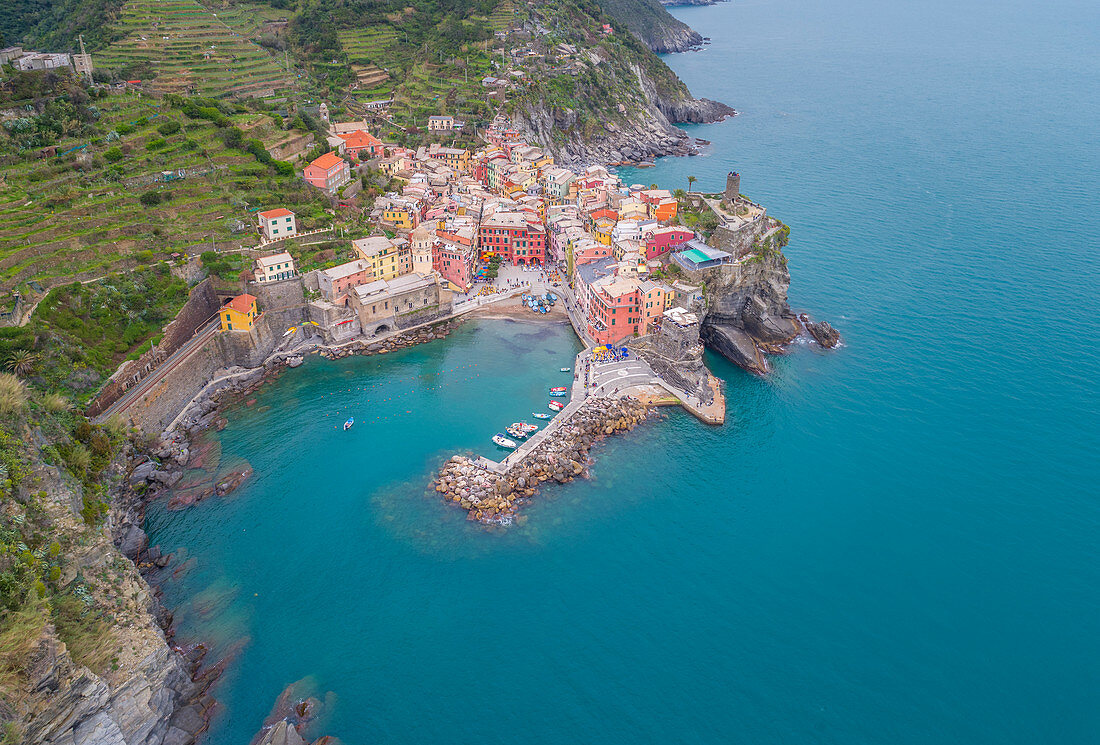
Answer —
(557, 394)
(525, 426)
(537, 415)
(504, 442)
(349, 422)
(516, 432)
(566, 369)
(555, 406)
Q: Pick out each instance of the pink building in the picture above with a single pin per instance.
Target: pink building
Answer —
(664, 240)
(329, 172)
(335, 282)
(454, 262)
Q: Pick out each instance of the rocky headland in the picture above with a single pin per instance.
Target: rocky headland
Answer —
(748, 315)
(493, 497)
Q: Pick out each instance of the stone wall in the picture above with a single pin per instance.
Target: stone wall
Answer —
(738, 242)
(285, 294)
(201, 306)
(415, 318)
(153, 411)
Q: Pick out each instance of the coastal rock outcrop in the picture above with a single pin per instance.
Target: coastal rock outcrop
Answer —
(822, 332)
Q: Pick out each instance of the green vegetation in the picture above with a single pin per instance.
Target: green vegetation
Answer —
(100, 204)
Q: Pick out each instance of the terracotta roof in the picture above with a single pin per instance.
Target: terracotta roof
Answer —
(327, 161)
(359, 138)
(281, 212)
(242, 303)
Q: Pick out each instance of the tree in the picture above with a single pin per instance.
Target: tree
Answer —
(691, 181)
(22, 362)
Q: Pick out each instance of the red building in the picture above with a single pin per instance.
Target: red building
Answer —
(663, 240)
(514, 237)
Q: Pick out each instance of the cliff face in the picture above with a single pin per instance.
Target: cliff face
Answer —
(653, 25)
(638, 132)
(140, 691)
(747, 312)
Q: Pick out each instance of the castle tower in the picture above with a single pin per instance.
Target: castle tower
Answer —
(733, 187)
(323, 111)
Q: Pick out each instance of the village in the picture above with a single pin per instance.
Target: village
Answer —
(466, 226)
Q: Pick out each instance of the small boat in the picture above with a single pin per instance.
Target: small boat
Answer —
(349, 422)
(525, 426)
(555, 405)
(516, 432)
(559, 388)
(557, 394)
(537, 415)
(504, 442)
(566, 369)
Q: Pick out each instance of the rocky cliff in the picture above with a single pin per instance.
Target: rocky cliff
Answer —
(87, 661)
(653, 25)
(747, 313)
(632, 133)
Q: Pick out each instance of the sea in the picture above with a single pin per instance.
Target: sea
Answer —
(897, 541)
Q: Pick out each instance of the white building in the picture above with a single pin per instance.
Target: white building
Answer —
(274, 268)
(278, 224)
(42, 61)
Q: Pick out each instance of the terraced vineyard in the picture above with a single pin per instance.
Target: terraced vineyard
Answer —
(79, 215)
(194, 51)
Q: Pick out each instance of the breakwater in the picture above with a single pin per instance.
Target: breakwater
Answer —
(491, 496)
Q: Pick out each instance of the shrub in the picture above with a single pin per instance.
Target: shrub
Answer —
(150, 198)
(124, 129)
(156, 144)
(13, 394)
(170, 127)
(55, 403)
(113, 155)
(144, 257)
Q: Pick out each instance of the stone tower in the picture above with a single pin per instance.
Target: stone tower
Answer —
(733, 187)
(420, 241)
(323, 111)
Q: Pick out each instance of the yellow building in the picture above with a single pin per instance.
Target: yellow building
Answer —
(239, 313)
(601, 231)
(387, 259)
(401, 217)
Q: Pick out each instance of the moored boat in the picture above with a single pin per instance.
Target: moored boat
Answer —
(516, 432)
(559, 388)
(555, 405)
(525, 426)
(538, 415)
(349, 422)
(557, 394)
(566, 369)
(504, 442)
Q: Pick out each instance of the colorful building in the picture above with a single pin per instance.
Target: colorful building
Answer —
(455, 263)
(513, 237)
(387, 259)
(654, 299)
(441, 123)
(329, 172)
(338, 280)
(663, 240)
(239, 314)
(401, 216)
(277, 224)
(274, 268)
(362, 145)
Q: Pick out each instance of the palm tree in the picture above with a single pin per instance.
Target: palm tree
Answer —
(691, 180)
(22, 362)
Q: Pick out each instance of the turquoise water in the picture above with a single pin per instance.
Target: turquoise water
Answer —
(894, 542)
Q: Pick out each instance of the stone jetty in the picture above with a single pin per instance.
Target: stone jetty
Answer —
(393, 343)
(490, 496)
